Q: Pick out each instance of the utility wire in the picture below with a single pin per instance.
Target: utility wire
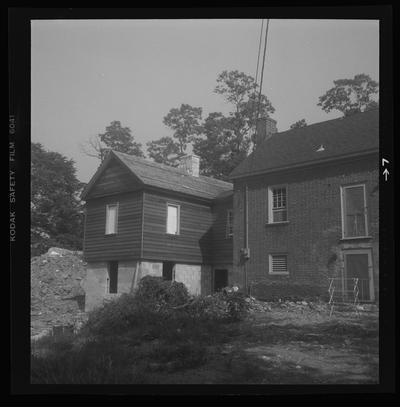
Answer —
(259, 49)
(262, 71)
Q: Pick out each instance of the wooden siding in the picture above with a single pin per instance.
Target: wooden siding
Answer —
(126, 244)
(114, 180)
(222, 245)
(192, 245)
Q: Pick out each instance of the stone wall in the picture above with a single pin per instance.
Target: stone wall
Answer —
(196, 277)
(95, 283)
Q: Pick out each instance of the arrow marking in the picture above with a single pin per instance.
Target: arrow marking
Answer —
(386, 173)
(384, 161)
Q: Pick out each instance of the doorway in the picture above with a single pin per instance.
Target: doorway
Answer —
(168, 270)
(220, 279)
(358, 265)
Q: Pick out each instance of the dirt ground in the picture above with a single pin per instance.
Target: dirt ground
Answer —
(291, 346)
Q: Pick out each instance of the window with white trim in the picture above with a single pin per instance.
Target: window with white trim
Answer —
(229, 223)
(277, 204)
(354, 211)
(111, 219)
(278, 264)
(173, 219)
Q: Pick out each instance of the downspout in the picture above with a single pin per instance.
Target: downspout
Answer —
(246, 252)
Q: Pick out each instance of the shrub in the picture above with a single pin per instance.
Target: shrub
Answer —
(238, 307)
(160, 293)
(151, 306)
(116, 316)
(220, 306)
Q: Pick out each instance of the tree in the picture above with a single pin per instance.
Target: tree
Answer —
(56, 209)
(350, 96)
(185, 122)
(226, 139)
(299, 124)
(220, 150)
(115, 137)
(164, 151)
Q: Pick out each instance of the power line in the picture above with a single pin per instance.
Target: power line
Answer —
(262, 70)
(259, 49)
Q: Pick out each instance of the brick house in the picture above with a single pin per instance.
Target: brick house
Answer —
(303, 209)
(144, 218)
(306, 206)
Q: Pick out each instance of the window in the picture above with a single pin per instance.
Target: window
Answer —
(354, 211)
(112, 280)
(229, 223)
(277, 204)
(111, 219)
(173, 219)
(278, 264)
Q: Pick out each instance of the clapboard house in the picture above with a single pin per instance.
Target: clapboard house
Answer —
(144, 218)
(306, 211)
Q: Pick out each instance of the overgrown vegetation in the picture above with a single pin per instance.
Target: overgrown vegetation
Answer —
(159, 328)
(162, 335)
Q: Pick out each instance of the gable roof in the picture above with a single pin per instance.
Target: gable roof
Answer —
(353, 135)
(163, 177)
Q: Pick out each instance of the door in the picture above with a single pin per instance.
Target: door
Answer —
(358, 265)
(220, 279)
(167, 272)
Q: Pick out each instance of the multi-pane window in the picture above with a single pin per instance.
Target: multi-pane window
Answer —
(111, 219)
(229, 223)
(354, 211)
(112, 280)
(173, 219)
(278, 264)
(277, 204)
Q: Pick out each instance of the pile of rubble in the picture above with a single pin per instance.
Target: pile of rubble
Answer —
(57, 298)
(263, 306)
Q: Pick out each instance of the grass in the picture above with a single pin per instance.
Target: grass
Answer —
(283, 346)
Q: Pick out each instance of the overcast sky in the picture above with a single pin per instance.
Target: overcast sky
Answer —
(87, 73)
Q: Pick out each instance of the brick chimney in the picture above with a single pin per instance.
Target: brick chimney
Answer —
(266, 127)
(191, 164)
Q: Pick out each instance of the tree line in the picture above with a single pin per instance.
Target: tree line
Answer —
(221, 141)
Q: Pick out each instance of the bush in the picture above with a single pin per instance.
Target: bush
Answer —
(151, 305)
(160, 293)
(220, 306)
(115, 316)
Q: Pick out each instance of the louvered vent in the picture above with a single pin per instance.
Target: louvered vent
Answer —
(278, 264)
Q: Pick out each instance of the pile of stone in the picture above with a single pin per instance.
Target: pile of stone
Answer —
(264, 306)
(57, 298)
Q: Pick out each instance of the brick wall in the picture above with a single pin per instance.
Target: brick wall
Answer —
(312, 238)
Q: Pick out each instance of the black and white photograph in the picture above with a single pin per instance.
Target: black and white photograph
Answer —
(204, 199)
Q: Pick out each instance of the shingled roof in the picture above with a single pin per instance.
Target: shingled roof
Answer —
(166, 177)
(333, 139)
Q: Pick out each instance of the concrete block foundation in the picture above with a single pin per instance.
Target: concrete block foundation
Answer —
(197, 278)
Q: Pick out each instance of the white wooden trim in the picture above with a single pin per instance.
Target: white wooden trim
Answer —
(178, 219)
(270, 202)
(116, 204)
(342, 195)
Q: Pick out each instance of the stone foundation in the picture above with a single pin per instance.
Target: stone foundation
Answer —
(95, 283)
(197, 279)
